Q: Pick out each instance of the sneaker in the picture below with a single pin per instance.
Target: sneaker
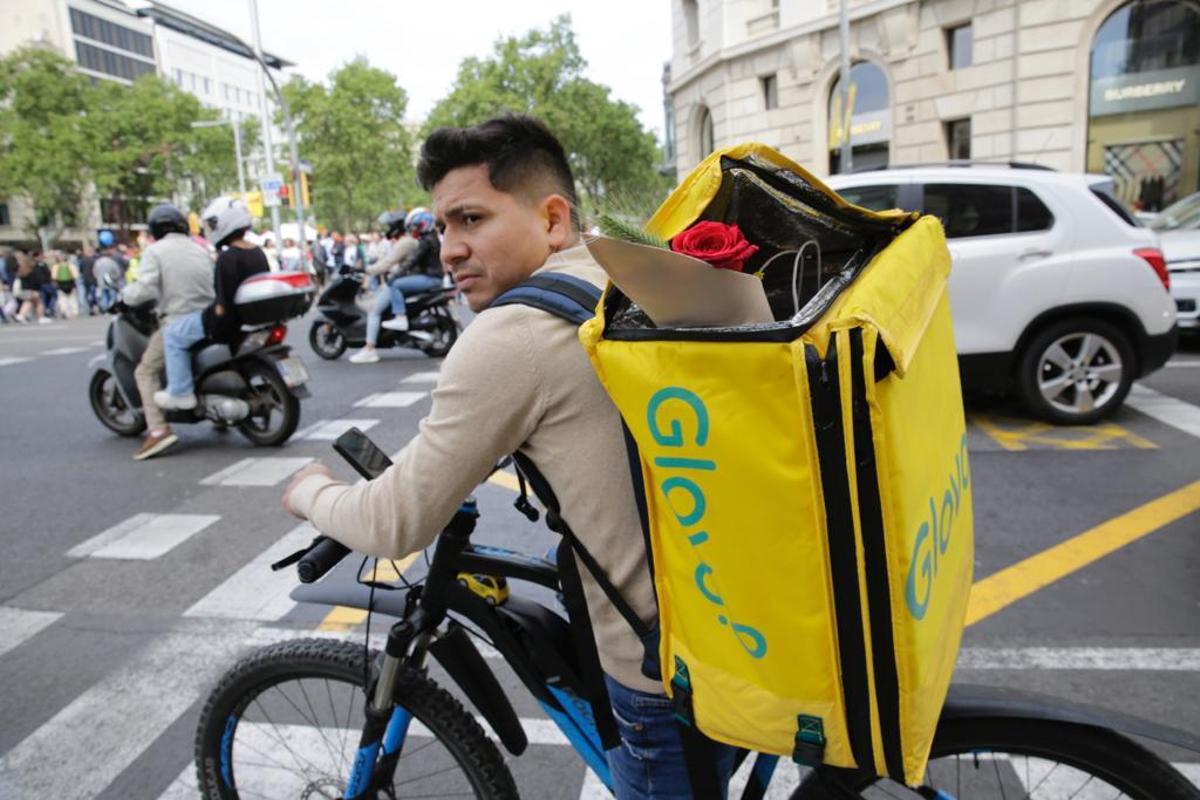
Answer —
(395, 324)
(154, 444)
(365, 356)
(169, 402)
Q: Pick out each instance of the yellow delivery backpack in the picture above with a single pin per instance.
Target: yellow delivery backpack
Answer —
(808, 497)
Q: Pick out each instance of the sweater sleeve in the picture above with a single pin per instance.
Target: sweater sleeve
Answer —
(487, 403)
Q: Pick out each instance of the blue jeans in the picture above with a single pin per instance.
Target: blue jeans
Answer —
(649, 761)
(411, 284)
(108, 297)
(178, 338)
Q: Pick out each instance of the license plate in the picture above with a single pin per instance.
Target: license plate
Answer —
(293, 371)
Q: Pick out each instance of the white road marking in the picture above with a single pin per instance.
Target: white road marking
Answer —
(327, 430)
(143, 536)
(8, 362)
(254, 592)
(783, 783)
(1089, 658)
(594, 789)
(63, 351)
(423, 377)
(17, 625)
(390, 400)
(97, 343)
(256, 472)
(1183, 362)
(132, 707)
(1164, 408)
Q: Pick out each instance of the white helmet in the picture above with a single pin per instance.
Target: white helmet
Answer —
(224, 217)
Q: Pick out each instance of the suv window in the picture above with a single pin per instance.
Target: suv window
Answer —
(1032, 214)
(970, 209)
(876, 198)
(1104, 193)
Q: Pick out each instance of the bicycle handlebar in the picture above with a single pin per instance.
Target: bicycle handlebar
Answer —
(320, 558)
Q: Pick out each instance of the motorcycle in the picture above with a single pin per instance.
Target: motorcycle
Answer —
(341, 322)
(253, 384)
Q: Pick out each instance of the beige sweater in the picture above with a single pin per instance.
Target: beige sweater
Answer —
(517, 379)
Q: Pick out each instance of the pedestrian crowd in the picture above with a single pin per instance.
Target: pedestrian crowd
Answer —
(42, 286)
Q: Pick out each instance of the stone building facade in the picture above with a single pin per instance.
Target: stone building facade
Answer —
(1078, 85)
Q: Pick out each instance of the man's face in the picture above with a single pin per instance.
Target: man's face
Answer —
(493, 240)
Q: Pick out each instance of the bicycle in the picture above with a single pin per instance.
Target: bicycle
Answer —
(328, 718)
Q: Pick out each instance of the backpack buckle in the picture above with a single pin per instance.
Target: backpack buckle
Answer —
(809, 747)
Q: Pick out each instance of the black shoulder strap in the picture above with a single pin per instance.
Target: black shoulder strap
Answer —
(564, 296)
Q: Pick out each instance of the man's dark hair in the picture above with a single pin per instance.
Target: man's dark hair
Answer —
(520, 153)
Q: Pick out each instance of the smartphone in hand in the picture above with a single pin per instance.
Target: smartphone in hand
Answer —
(362, 454)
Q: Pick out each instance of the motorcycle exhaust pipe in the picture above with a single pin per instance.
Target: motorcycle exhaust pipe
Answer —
(226, 409)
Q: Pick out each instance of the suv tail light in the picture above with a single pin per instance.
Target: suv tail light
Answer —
(1154, 257)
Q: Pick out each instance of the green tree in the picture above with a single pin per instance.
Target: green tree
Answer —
(44, 149)
(354, 134)
(146, 149)
(614, 159)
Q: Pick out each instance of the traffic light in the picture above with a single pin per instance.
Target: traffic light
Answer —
(285, 196)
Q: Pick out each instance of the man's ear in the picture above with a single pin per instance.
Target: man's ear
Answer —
(556, 212)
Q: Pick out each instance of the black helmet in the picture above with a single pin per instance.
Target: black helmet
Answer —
(165, 219)
(392, 223)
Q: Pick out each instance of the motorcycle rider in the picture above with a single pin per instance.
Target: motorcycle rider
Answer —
(226, 221)
(401, 249)
(178, 274)
(423, 270)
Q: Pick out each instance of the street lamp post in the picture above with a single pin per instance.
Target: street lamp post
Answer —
(237, 145)
(847, 157)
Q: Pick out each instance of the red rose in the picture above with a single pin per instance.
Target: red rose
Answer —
(723, 246)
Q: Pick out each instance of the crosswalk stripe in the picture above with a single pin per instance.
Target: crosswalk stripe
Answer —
(130, 708)
(1183, 363)
(390, 400)
(256, 472)
(8, 362)
(143, 536)
(423, 377)
(254, 592)
(326, 430)
(1164, 408)
(18, 625)
(1081, 658)
(63, 351)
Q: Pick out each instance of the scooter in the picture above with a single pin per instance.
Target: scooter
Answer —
(341, 322)
(253, 384)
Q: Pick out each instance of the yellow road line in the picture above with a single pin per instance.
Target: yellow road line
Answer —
(505, 479)
(344, 618)
(1017, 435)
(1006, 439)
(1002, 589)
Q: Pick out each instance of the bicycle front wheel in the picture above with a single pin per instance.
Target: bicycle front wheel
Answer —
(285, 723)
(1020, 759)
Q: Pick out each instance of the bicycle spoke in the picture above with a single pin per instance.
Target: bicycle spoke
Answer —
(1081, 788)
(282, 740)
(332, 755)
(342, 765)
(999, 779)
(1045, 777)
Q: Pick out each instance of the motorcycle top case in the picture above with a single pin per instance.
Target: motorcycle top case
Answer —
(271, 297)
(808, 496)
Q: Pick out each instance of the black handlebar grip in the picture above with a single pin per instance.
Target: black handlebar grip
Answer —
(320, 559)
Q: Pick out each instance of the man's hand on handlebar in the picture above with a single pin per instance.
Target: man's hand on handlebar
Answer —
(316, 468)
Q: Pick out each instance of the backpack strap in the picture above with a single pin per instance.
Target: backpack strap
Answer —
(564, 296)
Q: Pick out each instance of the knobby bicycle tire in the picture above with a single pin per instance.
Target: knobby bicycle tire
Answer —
(984, 743)
(326, 660)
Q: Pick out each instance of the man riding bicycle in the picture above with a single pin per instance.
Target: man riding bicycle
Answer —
(519, 380)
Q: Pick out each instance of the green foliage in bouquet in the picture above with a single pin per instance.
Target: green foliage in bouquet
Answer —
(615, 228)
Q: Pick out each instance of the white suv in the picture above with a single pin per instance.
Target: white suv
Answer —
(1056, 290)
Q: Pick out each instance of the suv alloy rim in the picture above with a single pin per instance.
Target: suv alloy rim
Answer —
(1079, 372)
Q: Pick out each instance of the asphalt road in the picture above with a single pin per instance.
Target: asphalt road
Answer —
(106, 654)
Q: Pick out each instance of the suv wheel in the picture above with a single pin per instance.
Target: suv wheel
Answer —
(1076, 371)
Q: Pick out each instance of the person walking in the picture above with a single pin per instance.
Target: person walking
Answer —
(108, 271)
(27, 290)
(65, 278)
(87, 280)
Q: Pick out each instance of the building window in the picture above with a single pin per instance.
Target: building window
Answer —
(958, 139)
(207, 86)
(101, 30)
(867, 122)
(770, 89)
(706, 132)
(959, 44)
(1144, 102)
(4, 218)
(110, 63)
(691, 19)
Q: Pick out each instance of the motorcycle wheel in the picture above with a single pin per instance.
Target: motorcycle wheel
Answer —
(109, 406)
(274, 410)
(326, 340)
(445, 334)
